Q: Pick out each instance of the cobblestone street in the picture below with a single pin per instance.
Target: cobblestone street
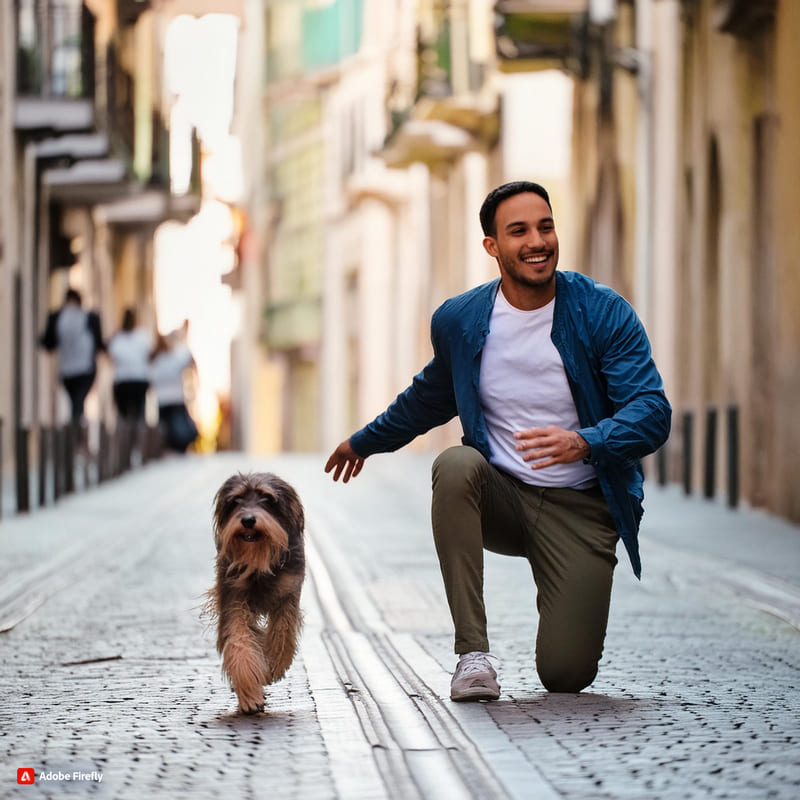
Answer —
(108, 669)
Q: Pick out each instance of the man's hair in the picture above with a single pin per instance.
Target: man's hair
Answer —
(73, 295)
(129, 319)
(496, 196)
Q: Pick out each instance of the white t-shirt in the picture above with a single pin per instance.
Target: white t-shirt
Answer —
(75, 342)
(130, 352)
(523, 385)
(166, 374)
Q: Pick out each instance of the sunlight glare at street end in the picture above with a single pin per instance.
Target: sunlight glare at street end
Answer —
(190, 259)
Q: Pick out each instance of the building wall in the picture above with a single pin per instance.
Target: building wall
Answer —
(740, 103)
(710, 201)
(8, 228)
(783, 290)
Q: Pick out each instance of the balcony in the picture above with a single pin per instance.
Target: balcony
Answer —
(455, 109)
(538, 34)
(311, 39)
(743, 18)
(55, 66)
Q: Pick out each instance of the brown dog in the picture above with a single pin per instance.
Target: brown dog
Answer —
(258, 532)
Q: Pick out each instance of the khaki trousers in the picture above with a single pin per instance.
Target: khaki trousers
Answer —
(569, 539)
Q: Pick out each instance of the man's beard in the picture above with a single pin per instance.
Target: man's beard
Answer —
(512, 268)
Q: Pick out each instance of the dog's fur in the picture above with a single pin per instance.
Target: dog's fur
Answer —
(258, 532)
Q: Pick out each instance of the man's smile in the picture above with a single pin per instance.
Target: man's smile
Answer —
(536, 258)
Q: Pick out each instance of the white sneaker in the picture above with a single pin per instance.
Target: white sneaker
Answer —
(474, 678)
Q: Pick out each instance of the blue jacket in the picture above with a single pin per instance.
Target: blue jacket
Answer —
(616, 387)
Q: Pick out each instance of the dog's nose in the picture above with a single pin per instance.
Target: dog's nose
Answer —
(249, 521)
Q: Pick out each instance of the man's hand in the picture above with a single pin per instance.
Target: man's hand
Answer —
(344, 458)
(552, 445)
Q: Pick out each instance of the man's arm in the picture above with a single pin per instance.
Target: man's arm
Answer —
(95, 328)
(427, 403)
(49, 339)
(639, 422)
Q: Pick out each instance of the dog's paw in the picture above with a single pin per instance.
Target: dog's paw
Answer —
(251, 703)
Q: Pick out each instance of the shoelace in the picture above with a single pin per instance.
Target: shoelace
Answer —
(472, 664)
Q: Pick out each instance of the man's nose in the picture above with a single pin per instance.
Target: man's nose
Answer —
(535, 240)
(248, 521)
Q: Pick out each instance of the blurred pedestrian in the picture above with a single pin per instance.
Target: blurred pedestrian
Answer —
(129, 350)
(77, 337)
(552, 378)
(169, 361)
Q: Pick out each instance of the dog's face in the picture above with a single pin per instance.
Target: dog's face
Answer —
(256, 518)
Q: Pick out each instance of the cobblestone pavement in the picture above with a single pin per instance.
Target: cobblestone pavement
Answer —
(107, 667)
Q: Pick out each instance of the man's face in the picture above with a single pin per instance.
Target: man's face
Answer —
(525, 242)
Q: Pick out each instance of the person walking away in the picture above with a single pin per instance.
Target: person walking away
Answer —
(76, 335)
(129, 350)
(168, 363)
(552, 378)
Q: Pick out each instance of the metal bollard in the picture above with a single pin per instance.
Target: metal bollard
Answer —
(118, 450)
(68, 454)
(125, 434)
(688, 436)
(710, 463)
(58, 463)
(22, 467)
(50, 465)
(43, 466)
(103, 456)
(661, 464)
(733, 456)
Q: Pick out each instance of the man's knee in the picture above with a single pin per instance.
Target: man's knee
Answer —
(457, 467)
(566, 672)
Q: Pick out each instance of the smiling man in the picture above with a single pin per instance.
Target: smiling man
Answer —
(551, 376)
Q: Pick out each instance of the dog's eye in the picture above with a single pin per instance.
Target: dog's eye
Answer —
(227, 510)
(267, 502)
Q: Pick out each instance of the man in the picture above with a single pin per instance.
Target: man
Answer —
(77, 337)
(558, 396)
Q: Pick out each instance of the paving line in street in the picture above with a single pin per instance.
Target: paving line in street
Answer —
(389, 723)
(353, 768)
(132, 539)
(23, 595)
(770, 594)
(398, 675)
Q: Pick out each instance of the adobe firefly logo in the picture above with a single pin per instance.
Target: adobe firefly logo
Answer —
(26, 776)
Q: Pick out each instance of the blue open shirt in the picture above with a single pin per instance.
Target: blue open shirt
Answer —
(617, 390)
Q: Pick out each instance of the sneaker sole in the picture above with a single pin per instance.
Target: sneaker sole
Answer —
(476, 693)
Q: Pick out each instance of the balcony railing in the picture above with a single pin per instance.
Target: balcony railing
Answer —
(55, 48)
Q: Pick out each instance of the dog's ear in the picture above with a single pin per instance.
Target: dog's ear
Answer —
(290, 503)
(224, 495)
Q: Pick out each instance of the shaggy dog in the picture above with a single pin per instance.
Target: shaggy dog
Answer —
(258, 532)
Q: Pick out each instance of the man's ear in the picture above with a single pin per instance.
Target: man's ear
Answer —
(490, 246)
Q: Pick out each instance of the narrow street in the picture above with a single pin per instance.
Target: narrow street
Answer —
(112, 686)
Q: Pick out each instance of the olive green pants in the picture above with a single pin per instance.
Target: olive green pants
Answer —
(568, 537)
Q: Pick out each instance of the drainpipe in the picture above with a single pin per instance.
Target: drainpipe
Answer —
(644, 174)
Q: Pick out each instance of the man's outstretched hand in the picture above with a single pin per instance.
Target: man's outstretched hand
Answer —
(344, 459)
